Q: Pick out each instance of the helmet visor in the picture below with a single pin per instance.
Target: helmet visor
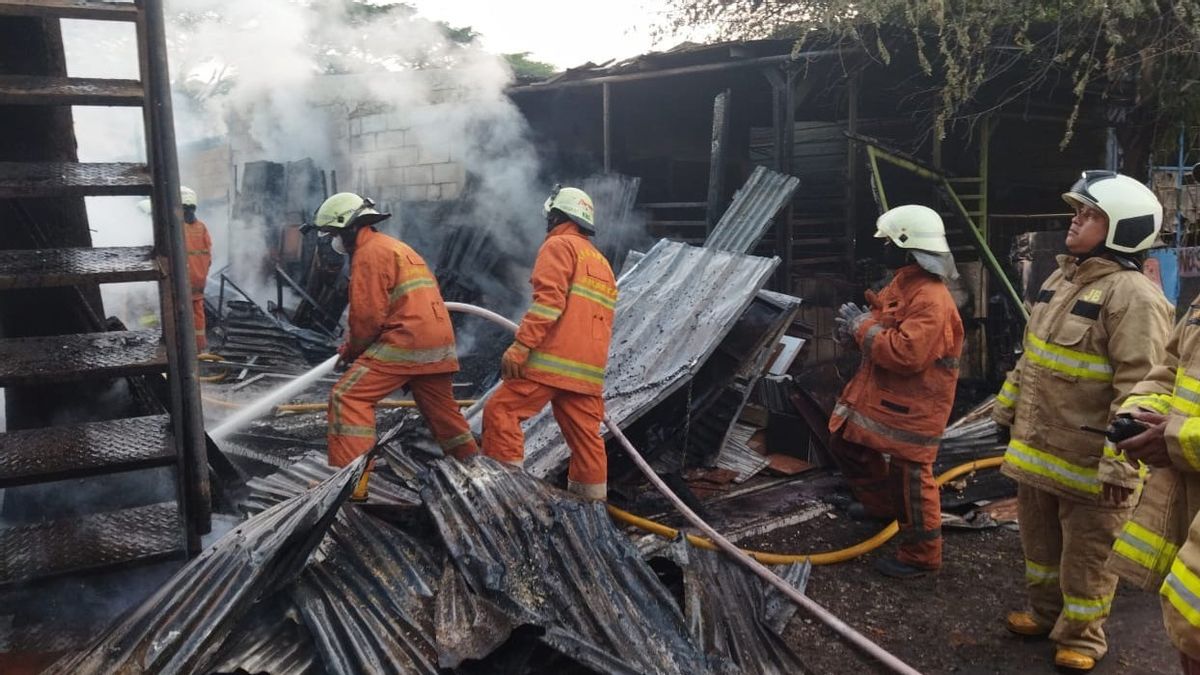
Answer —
(1080, 193)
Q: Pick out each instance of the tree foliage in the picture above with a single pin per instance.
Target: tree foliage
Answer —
(525, 68)
(1143, 55)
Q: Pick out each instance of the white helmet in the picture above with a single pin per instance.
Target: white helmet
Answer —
(187, 197)
(574, 204)
(345, 209)
(1134, 214)
(913, 226)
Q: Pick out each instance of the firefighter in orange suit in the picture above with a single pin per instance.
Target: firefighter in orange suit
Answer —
(400, 335)
(561, 348)
(199, 260)
(1095, 330)
(890, 418)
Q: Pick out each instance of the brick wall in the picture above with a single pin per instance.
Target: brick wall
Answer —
(393, 157)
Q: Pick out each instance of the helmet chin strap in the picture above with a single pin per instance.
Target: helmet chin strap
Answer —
(1130, 261)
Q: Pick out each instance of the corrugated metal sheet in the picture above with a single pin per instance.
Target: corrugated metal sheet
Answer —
(270, 641)
(737, 618)
(557, 563)
(181, 627)
(753, 208)
(505, 574)
(673, 308)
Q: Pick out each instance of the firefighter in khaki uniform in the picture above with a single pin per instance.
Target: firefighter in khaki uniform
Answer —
(400, 335)
(561, 348)
(1097, 327)
(1168, 403)
(889, 420)
(199, 257)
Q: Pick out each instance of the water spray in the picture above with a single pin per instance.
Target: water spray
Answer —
(840, 627)
(268, 401)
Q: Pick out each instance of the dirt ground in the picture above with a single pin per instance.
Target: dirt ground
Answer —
(951, 622)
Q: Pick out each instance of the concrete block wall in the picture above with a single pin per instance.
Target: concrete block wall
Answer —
(391, 159)
(208, 171)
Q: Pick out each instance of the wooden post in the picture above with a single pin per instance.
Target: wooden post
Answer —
(716, 164)
(607, 130)
(850, 230)
(787, 139)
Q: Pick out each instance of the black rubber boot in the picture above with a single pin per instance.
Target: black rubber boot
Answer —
(890, 567)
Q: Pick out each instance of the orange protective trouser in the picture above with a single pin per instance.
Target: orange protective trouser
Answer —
(352, 412)
(891, 487)
(198, 319)
(578, 416)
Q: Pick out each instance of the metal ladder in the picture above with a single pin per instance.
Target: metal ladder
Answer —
(143, 533)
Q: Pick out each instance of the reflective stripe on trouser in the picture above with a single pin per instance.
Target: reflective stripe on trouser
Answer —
(896, 489)
(578, 415)
(1066, 544)
(352, 412)
(198, 319)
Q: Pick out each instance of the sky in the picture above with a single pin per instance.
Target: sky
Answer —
(565, 33)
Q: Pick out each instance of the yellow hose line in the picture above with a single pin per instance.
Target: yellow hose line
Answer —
(317, 407)
(827, 558)
(385, 403)
(221, 403)
(211, 358)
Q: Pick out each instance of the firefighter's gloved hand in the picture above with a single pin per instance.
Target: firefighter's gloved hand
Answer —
(849, 317)
(512, 364)
(343, 361)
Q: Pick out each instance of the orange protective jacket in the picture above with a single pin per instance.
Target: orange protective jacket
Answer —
(900, 399)
(569, 325)
(398, 320)
(199, 254)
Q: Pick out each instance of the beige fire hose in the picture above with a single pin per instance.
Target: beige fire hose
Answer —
(840, 627)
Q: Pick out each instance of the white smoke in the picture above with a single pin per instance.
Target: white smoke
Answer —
(282, 80)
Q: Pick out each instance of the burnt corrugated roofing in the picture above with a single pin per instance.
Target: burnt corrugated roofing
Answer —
(502, 574)
(753, 208)
(182, 626)
(673, 308)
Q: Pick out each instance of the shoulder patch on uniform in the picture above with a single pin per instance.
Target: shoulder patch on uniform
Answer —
(1088, 310)
(1094, 296)
(1045, 295)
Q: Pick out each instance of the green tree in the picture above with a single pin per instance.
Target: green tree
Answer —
(1144, 53)
(525, 68)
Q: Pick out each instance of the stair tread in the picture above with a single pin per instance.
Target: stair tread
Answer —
(64, 358)
(71, 9)
(42, 268)
(59, 179)
(90, 542)
(72, 451)
(41, 90)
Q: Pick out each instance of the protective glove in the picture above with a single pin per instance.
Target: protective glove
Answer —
(344, 360)
(512, 364)
(849, 317)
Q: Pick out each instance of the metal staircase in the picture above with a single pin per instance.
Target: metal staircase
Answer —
(176, 439)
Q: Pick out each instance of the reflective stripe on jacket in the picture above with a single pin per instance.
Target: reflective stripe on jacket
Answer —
(1095, 330)
(397, 317)
(199, 254)
(1180, 593)
(900, 398)
(569, 325)
(1171, 498)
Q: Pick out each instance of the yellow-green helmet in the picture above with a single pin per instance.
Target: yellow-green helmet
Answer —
(345, 209)
(187, 197)
(574, 204)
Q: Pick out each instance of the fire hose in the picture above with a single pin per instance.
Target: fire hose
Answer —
(826, 558)
(715, 540)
